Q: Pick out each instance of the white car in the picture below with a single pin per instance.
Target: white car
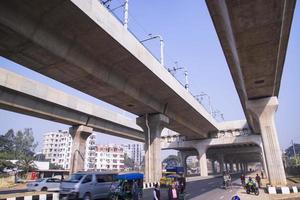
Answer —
(44, 184)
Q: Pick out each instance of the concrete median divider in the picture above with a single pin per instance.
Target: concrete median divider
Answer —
(51, 196)
(282, 190)
(149, 185)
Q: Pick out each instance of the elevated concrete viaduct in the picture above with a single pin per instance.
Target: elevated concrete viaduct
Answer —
(234, 143)
(254, 37)
(80, 44)
(29, 97)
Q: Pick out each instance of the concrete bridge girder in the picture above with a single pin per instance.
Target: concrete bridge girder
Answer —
(29, 97)
(204, 148)
(126, 80)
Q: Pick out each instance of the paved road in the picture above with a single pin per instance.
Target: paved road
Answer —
(13, 191)
(209, 189)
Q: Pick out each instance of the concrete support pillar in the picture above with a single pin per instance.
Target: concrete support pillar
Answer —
(241, 167)
(231, 166)
(79, 135)
(263, 111)
(183, 157)
(264, 163)
(226, 166)
(221, 162)
(214, 171)
(244, 166)
(237, 166)
(152, 124)
(203, 163)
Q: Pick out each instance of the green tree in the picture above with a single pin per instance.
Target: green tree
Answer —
(4, 164)
(26, 163)
(17, 145)
(128, 162)
(24, 143)
(7, 141)
(294, 161)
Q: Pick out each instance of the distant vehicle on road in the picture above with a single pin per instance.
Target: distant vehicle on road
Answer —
(130, 186)
(87, 185)
(44, 184)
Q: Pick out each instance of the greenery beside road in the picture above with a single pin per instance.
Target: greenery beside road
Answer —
(18, 146)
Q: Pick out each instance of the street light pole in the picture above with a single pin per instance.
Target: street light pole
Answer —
(162, 46)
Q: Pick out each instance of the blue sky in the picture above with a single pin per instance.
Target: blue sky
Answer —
(191, 40)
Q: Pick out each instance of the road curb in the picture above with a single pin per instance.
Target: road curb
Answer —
(150, 185)
(282, 190)
(53, 196)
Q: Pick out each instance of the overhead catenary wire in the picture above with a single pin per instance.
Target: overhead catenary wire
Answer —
(146, 33)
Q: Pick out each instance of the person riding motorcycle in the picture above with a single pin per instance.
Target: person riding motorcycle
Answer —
(251, 186)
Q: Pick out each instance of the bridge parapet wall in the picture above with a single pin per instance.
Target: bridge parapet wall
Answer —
(231, 136)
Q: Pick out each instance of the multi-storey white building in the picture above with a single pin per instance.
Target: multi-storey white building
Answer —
(57, 147)
(135, 152)
(109, 157)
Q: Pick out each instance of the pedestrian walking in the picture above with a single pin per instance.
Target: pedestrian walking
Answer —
(257, 178)
(156, 192)
(262, 174)
(173, 192)
(182, 184)
(135, 191)
(242, 179)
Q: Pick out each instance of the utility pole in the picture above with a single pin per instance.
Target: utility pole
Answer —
(162, 46)
(106, 3)
(186, 80)
(215, 112)
(201, 95)
(126, 14)
(174, 69)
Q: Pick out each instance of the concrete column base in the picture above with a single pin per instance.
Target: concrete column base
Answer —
(231, 166)
(214, 171)
(237, 167)
(263, 110)
(79, 135)
(226, 167)
(152, 124)
(183, 157)
(221, 162)
(203, 163)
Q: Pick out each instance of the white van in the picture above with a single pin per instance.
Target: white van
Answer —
(87, 185)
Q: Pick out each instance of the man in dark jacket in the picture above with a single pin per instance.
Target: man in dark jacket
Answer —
(156, 193)
(257, 178)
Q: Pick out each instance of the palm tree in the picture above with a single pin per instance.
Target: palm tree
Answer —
(26, 164)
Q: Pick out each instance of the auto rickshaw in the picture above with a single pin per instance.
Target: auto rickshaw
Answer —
(129, 186)
(168, 180)
(165, 181)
